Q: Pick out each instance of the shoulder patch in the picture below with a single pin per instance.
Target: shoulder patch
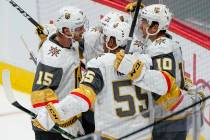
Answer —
(54, 51)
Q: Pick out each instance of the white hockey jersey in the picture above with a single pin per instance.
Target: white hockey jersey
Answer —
(57, 67)
(93, 43)
(167, 56)
(118, 105)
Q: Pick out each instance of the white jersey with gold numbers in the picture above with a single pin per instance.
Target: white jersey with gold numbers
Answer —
(58, 67)
(119, 105)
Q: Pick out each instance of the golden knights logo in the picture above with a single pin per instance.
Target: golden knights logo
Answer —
(54, 51)
(159, 41)
(67, 15)
(116, 25)
(157, 10)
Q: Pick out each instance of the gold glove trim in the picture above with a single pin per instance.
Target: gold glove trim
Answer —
(119, 57)
(37, 124)
(132, 6)
(43, 96)
(136, 71)
(56, 118)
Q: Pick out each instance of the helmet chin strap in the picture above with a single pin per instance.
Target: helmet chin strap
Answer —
(111, 49)
(148, 35)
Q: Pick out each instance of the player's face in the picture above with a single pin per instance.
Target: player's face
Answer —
(110, 44)
(67, 32)
(144, 26)
(79, 31)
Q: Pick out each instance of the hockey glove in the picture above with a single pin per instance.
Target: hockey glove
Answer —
(132, 6)
(48, 116)
(41, 34)
(199, 94)
(128, 64)
(45, 31)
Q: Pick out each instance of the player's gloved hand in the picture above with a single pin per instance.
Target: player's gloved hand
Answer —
(188, 84)
(45, 31)
(128, 64)
(49, 115)
(198, 93)
(43, 120)
(132, 6)
(42, 34)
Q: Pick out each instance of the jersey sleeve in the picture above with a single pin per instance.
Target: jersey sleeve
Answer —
(91, 84)
(92, 44)
(94, 75)
(94, 79)
(47, 77)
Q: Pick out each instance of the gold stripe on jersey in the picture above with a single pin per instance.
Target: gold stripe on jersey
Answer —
(43, 96)
(86, 91)
(105, 136)
(54, 115)
(78, 76)
(173, 95)
(37, 124)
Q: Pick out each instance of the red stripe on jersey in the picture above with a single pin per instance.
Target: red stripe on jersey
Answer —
(44, 103)
(167, 80)
(83, 97)
(177, 104)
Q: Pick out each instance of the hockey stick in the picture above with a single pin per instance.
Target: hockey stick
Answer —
(33, 58)
(167, 117)
(10, 96)
(26, 15)
(133, 25)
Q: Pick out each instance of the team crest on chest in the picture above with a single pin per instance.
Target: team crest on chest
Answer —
(159, 41)
(54, 51)
(67, 15)
(157, 10)
(138, 44)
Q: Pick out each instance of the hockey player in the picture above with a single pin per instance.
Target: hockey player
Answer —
(93, 38)
(117, 100)
(93, 47)
(58, 69)
(166, 56)
(90, 46)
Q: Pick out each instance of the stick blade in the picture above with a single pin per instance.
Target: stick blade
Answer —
(7, 86)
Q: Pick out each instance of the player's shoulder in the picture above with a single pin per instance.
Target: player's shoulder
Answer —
(53, 54)
(162, 45)
(136, 45)
(102, 61)
(91, 35)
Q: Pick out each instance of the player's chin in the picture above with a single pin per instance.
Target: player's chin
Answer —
(78, 38)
